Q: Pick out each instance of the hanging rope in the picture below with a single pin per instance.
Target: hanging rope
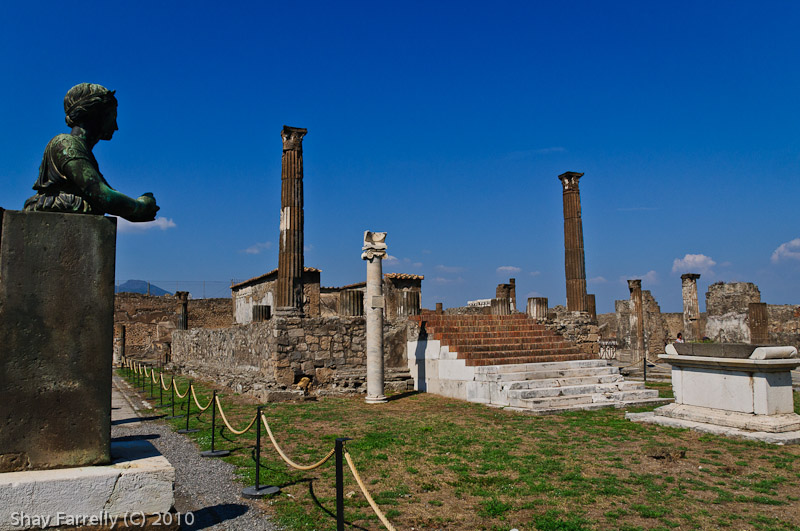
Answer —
(201, 408)
(228, 424)
(164, 387)
(372, 503)
(178, 393)
(284, 456)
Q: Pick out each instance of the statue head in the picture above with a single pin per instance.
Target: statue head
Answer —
(92, 106)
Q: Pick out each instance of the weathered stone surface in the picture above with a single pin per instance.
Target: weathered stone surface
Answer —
(56, 336)
(140, 481)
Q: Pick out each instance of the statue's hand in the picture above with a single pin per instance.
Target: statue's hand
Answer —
(146, 208)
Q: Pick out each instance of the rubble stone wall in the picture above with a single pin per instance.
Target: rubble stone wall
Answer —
(260, 358)
(150, 318)
(727, 309)
(578, 327)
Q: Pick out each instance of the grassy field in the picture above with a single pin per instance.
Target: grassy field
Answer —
(436, 463)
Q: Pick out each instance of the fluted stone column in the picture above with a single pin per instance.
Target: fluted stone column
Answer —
(574, 264)
(374, 252)
(637, 343)
(591, 306)
(183, 309)
(290, 254)
(758, 319)
(691, 308)
(119, 343)
(537, 308)
(351, 302)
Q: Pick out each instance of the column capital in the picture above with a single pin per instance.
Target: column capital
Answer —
(690, 276)
(293, 138)
(569, 180)
(635, 284)
(374, 245)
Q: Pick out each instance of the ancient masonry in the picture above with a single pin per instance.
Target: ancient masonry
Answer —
(290, 254)
(691, 307)
(574, 264)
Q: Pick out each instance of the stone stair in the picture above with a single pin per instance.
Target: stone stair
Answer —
(513, 362)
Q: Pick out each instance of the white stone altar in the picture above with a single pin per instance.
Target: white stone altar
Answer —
(737, 390)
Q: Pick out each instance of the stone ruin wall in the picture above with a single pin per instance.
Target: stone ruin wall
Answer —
(150, 318)
(578, 327)
(266, 359)
(726, 306)
(656, 328)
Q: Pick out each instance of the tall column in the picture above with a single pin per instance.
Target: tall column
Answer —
(635, 287)
(290, 254)
(374, 253)
(691, 308)
(574, 264)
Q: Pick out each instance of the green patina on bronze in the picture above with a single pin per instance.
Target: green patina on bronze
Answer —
(69, 177)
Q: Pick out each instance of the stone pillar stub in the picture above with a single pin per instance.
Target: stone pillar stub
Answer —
(591, 306)
(637, 315)
(537, 308)
(574, 261)
(56, 336)
(758, 319)
(183, 309)
(691, 307)
(374, 251)
(290, 253)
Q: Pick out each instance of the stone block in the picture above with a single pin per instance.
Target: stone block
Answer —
(56, 336)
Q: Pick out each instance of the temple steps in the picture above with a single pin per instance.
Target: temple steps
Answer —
(514, 362)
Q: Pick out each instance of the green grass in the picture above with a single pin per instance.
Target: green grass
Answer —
(436, 463)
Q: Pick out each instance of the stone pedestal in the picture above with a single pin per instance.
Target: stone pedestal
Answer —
(56, 339)
(374, 252)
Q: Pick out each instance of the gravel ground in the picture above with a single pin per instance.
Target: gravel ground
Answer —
(203, 486)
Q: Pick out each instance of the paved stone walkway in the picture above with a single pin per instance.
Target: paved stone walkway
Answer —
(205, 487)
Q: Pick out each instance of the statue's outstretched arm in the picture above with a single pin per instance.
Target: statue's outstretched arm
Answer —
(104, 198)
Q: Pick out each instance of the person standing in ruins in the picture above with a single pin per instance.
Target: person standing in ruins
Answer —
(69, 177)
(680, 338)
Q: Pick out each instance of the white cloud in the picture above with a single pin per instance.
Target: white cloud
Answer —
(123, 225)
(450, 269)
(442, 280)
(694, 263)
(416, 264)
(308, 248)
(390, 260)
(535, 273)
(533, 294)
(506, 270)
(597, 280)
(257, 248)
(651, 277)
(789, 250)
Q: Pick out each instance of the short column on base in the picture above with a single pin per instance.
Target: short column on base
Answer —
(374, 252)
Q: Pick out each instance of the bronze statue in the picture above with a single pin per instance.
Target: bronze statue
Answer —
(69, 178)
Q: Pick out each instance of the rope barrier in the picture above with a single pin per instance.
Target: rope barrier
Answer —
(289, 461)
(228, 424)
(179, 393)
(201, 408)
(153, 376)
(164, 387)
(371, 502)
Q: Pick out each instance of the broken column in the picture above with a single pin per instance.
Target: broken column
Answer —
(691, 308)
(591, 306)
(637, 315)
(758, 320)
(537, 308)
(119, 344)
(574, 264)
(290, 254)
(374, 252)
(183, 309)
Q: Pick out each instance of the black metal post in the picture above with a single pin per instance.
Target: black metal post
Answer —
(258, 491)
(340, 483)
(172, 390)
(160, 391)
(152, 373)
(213, 452)
(188, 411)
(644, 369)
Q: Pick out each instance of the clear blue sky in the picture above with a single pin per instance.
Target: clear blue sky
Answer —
(445, 124)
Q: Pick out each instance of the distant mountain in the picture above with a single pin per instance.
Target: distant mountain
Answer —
(140, 286)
